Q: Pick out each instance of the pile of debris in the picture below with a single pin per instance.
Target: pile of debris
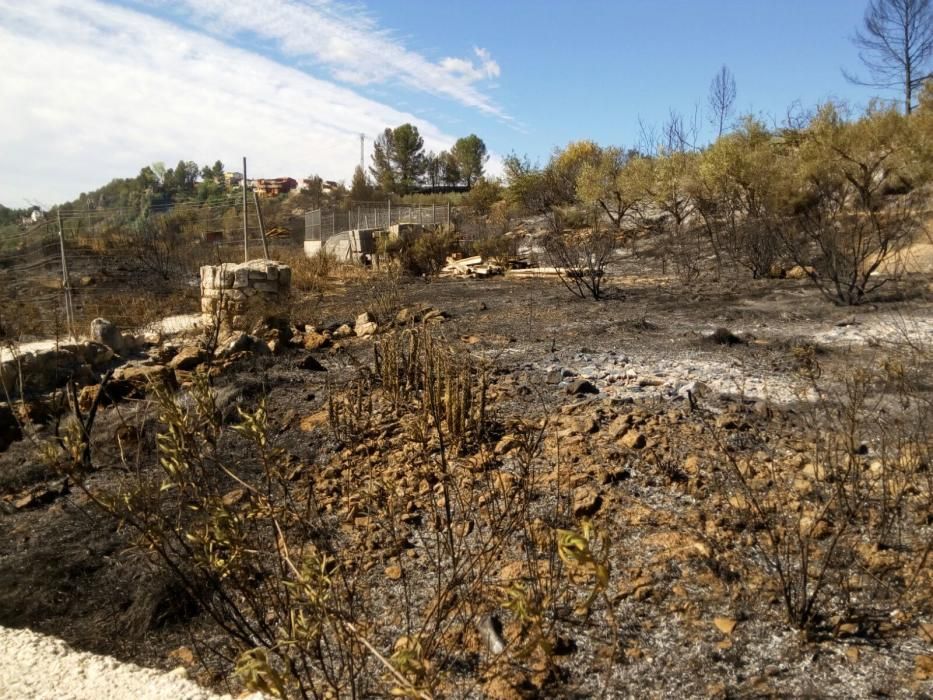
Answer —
(473, 266)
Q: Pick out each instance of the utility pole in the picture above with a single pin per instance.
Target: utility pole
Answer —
(245, 235)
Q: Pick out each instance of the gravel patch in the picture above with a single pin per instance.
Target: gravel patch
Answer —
(37, 667)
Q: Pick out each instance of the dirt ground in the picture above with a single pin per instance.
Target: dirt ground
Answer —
(691, 620)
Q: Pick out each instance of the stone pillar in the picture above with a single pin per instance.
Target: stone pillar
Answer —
(238, 291)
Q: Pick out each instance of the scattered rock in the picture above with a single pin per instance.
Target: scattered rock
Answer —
(314, 421)
(10, 430)
(188, 358)
(724, 624)
(343, 331)
(434, 315)
(182, 655)
(365, 325)
(923, 667)
(393, 572)
(133, 381)
(316, 341)
(634, 440)
(586, 501)
(581, 386)
(310, 363)
(798, 272)
(106, 333)
(694, 389)
(240, 341)
(490, 629)
(723, 336)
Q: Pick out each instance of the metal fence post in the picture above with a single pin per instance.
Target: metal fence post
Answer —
(262, 228)
(66, 284)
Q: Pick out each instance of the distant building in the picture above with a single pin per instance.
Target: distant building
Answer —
(233, 179)
(34, 216)
(330, 187)
(273, 187)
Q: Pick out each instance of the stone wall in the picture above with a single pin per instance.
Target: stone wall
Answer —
(235, 290)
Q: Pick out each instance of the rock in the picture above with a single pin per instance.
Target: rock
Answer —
(727, 421)
(923, 667)
(393, 572)
(434, 315)
(188, 358)
(619, 426)
(106, 333)
(581, 386)
(586, 501)
(343, 331)
(506, 445)
(363, 330)
(182, 655)
(490, 629)
(274, 327)
(798, 272)
(723, 336)
(316, 341)
(310, 363)
(634, 440)
(10, 430)
(94, 354)
(696, 389)
(553, 377)
(724, 624)
(404, 317)
(240, 341)
(135, 380)
(314, 421)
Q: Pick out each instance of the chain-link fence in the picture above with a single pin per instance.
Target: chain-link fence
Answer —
(321, 224)
(57, 275)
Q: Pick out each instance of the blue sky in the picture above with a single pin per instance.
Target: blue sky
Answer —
(99, 88)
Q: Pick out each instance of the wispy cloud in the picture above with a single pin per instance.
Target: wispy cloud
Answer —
(348, 41)
(92, 91)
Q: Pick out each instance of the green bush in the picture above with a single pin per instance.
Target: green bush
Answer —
(423, 253)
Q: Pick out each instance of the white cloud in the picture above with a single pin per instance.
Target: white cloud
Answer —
(94, 91)
(349, 42)
(465, 69)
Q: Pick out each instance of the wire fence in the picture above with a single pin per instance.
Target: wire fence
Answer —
(59, 274)
(322, 224)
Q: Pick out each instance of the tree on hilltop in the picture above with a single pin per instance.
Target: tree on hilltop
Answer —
(895, 45)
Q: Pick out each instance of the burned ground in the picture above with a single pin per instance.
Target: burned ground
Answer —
(650, 460)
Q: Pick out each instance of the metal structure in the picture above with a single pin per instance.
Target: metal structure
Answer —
(322, 224)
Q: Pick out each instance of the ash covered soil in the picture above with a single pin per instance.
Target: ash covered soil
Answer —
(641, 395)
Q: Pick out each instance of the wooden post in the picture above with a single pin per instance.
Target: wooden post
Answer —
(66, 284)
(262, 228)
(245, 235)
(389, 222)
